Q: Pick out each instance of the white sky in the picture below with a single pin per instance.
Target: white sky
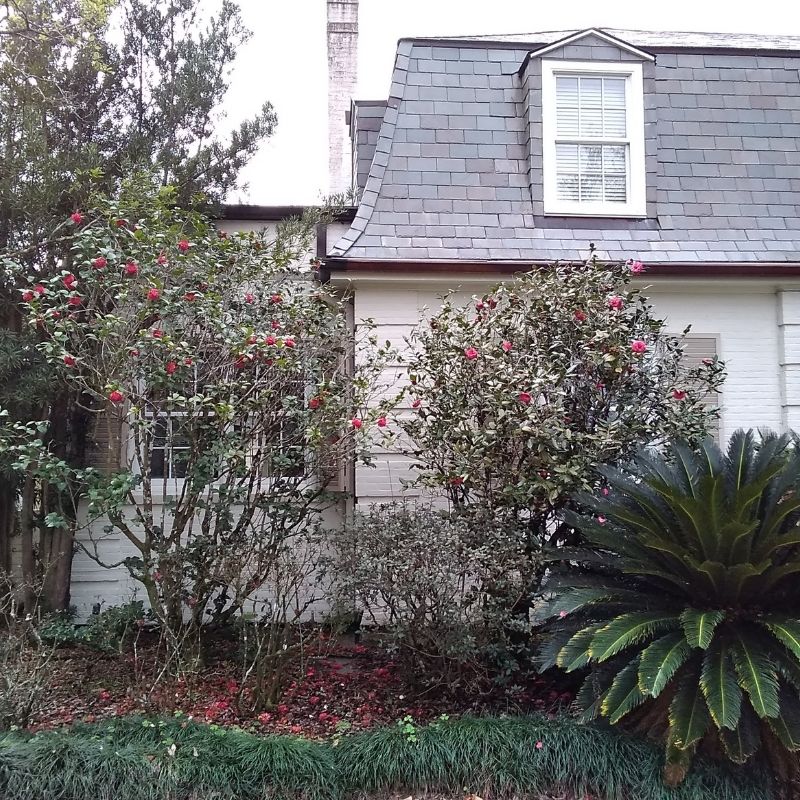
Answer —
(286, 63)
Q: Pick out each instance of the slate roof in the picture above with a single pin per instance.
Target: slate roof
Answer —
(450, 177)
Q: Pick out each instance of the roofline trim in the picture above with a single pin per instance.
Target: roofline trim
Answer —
(677, 269)
(263, 213)
(575, 37)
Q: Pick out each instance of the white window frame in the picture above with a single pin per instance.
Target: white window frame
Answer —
(636, 203)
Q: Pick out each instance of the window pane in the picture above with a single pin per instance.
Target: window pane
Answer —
(567, 187)
(614, 159)
(591, 187)
(591, 106)
(615, 188)
(614, 123)
(567, 106)
(158, 450)
(591, 158)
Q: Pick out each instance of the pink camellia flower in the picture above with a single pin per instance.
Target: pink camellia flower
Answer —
(27, 296)
(39, 289)
(580, 315)
(249, 298)
(708, 361)
(356, 423)
(75, 300)
(116, 396)
(69, 360)
(636, 267)
(100, 263)
(157, 333)
(275, 299)
(539, 745)
(104, 694)
(252, 339)
(524, 398)
(562, 614)
(270, 340)
(69, 280)
(506, 346)
(76, 217)
(171, 367)
(153, 294)
(265, 718)
(158, 577)
(381, 422)
(131, 268)
(162, 259)
(471, 353)
(417, 403)
(183, 245)
(615, 302)
(601, 520)
(638, 347)
(288, 342)
(604, 491)
(190, 297)
(275, 325)
(678, 394)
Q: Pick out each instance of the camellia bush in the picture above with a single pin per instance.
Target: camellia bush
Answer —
(217, 375)
(688, 614)
(516, 398)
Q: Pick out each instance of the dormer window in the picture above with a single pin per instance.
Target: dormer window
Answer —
(593, 129)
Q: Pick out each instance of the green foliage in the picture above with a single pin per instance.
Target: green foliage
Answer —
(687, 612)
(107, 631)
(135, 759)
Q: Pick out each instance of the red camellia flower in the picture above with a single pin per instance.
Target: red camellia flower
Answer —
(492, 302)
(270, 340)
(323, 715)
(104, 694)
(638, 346)
(580, 316)
(356, 423)
(75, 300)
(27, 296)
(265, 718)
(636, 267)
(314, 403)
(190, 297)
(171, 367)
(615, 302)
(708, 361)
(121, 223)
(678, 394)
(249, 298)
(240, 362)
(381, 422)
(417, 403)
(506, 346)
(183, 245)
(313, 700)
(275, 299)
(39, 289)
(131, 268)
(457, 481)
(76, 217)
(134, 352)
(289, 342)
(188, 362)
(162, 259)
(275, 325)
(471, 353)
(252, 339)
(69, 360)
(524, 398)
(157, 333)
(479, 306)
(116, 396)
(69, 280)
(153, 294)
(99, 262)
(296, 729)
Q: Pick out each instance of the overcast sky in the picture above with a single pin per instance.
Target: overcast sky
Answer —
(286, 62)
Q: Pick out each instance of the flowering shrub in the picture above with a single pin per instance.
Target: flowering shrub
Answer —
(517, 398)
(216, 371)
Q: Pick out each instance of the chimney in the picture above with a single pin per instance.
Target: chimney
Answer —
(342, 77)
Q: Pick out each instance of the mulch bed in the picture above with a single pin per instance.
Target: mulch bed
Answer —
(338, 686)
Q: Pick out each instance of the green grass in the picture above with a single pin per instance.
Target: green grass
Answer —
(129, 759)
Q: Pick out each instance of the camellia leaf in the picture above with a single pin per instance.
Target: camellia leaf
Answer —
(698, 626)
(688, 713)
(624, 693)
(661, 660)
(627, 629)
(720, 688)
(756, 675)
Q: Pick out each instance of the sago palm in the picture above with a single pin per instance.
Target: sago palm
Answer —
(687, 610)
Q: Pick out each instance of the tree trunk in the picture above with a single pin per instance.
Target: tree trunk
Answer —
(28, 594)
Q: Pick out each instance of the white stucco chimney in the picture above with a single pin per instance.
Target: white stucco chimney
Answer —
(342, 77)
